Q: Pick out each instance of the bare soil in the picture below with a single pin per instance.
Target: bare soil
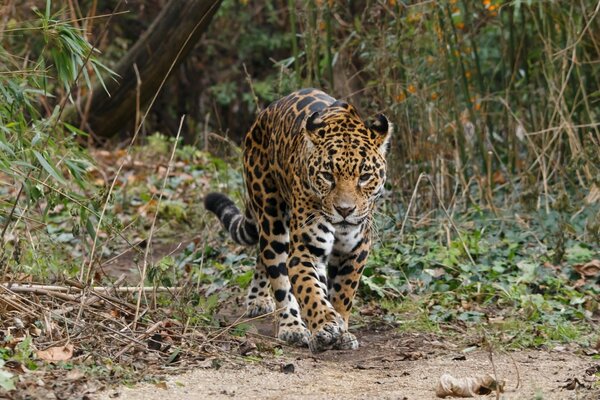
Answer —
(388, 365)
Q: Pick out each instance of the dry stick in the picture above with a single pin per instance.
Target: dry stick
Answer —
(254, 96)
(464, 245)
(149, 245)
(24, 288)
(89, 275)
(14, 304)
(488, 187)
(91, 300)
(53, 314)
(132, 246)
(138, 87)
(581, 35)
(33, 304)
(516, 369)
(90, 264)
(410, 204)
(148, 331)
(108, 328)
(96, 291)
(491, 358)
(556, 128)
(50, 293)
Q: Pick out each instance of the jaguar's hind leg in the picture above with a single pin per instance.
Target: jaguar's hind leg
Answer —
(259, 301)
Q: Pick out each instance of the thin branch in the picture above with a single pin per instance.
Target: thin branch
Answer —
(149, 244)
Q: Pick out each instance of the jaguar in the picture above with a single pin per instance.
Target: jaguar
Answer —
(313, 170)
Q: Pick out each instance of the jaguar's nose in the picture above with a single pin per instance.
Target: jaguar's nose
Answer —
(344, 211)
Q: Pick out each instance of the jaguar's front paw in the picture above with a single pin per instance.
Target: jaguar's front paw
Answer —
(296, 335)
(327, 335)
(346, 341)
(259, 306)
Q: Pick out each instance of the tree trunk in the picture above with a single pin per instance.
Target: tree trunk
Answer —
(163, 46)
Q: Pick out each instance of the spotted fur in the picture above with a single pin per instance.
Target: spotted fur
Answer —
(313, 170)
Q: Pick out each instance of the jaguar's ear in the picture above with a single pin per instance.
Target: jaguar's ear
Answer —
(314, 127)
(381, 131)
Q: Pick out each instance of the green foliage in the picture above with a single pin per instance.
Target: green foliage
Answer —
(42, 166)
(512, 279)
(7, 379)
(24, 353)
(69, 50)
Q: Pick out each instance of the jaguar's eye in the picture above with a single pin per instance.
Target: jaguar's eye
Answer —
(327, 176)
(364, 178)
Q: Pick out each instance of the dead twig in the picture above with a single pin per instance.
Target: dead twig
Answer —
(141, 337)
(152, 227)
(410, 204)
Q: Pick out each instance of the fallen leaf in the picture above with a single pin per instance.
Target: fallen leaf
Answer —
(499, 178)
(572, 384)
(57, 353)
(589, 269)
(467, 387)
(247, 347)
(74, 375)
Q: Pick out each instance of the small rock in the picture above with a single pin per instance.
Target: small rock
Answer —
(247, 347)
(288, 368)
(155, 342)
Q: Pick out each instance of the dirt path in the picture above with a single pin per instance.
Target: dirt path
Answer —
(387, 366)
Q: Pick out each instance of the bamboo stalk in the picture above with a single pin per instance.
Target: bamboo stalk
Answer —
(459, 133)
(312, 45)
(294, 33)
(328, 45)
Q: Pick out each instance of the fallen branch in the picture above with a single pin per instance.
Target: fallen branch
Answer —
(31, 287)
(46, 291)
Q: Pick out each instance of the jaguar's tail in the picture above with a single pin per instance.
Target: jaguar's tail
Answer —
(241, 227)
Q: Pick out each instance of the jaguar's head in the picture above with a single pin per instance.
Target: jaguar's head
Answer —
(346, 165)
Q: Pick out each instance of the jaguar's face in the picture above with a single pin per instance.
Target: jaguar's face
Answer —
(347, 166)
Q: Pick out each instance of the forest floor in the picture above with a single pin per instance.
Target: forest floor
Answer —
(512, 292)
(388, 365)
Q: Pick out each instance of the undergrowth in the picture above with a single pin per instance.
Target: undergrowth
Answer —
(490, 225)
